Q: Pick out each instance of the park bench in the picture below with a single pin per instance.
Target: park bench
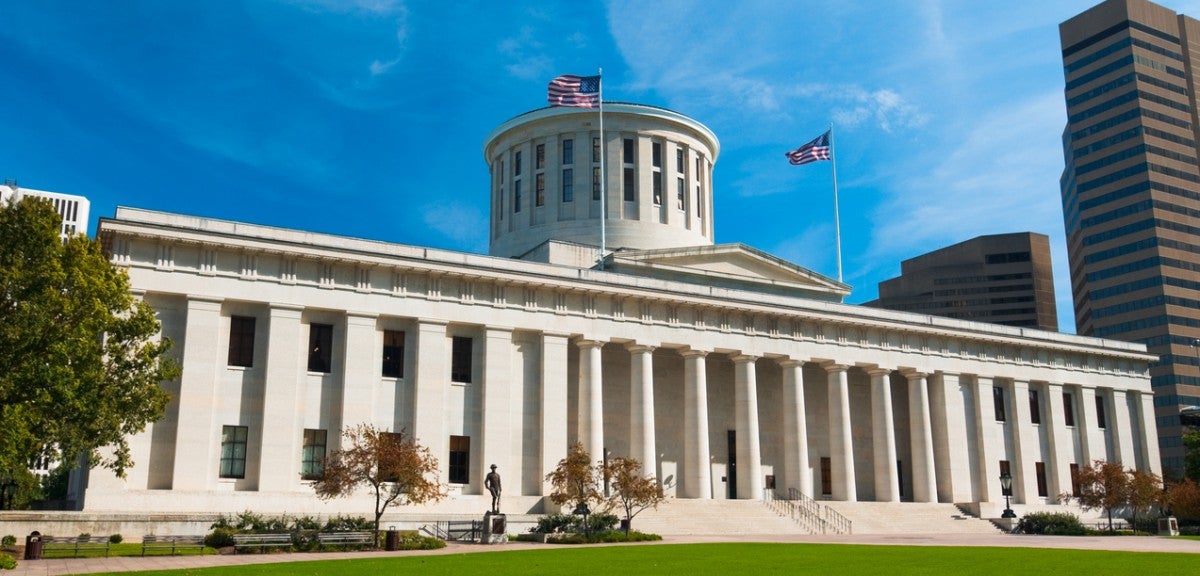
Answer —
(346, 538)
(262, 541)
(172, 543)
(75, 544)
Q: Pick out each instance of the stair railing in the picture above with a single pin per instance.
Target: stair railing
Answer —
(808, 513)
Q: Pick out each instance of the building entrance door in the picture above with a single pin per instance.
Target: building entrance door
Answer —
(731, 474)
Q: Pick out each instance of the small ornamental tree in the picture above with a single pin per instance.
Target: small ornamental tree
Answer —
(1102, 486)
(397, 469)
(1145, 492)
(631, 490)
(1183, 499)
(574, 480)
(1191, 455)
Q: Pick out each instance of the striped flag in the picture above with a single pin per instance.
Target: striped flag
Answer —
(818, 149)
(575, 91)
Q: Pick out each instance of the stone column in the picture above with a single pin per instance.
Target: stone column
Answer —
(496, 407)
(279, 456)
(883, 434)
(1120, 427)
(987, 443)
(641, 408)
(951, 438)
(797, 471)
(924, 475)
(197, 446)
(432, 377)
(1091, 436)
(745, 407)
(1058, 442)
(553, 417)
(697, 472)
(360, 374)
(1026, 449)
(1146, 431)
(591, 399)
(841, 446)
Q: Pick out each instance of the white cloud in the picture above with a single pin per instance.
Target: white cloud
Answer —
(465, 224)
(524, 51)
(812, 248)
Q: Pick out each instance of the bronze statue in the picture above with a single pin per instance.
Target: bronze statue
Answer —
(492, 483)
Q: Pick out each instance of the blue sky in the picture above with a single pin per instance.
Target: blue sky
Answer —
(367, 117)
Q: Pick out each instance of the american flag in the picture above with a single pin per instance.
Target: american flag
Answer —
(818, 149)
(575, 91)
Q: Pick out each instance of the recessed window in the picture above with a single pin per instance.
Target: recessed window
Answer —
(826, 476)
(320, 348)
(460, 359)
(656, 154)
(312, 459)
(241, 341)
(1040, 468)
(459, 470)
(539, 194)
(1101, 421)
(1068, 409)
(568, 151)
(658, 188)
(595, 183)
(679, 160)
(1075, 490)
(627, 150)
(595, 149)
(516, 196)
(630, 189)
(393, 354)
(1035, 408)
(680, 192)
(568, 185)
(517, 164)
(539, 157)
(998, 403)
(233, 451)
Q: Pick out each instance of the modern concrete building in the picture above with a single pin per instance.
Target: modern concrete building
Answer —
(73, 209)
(730, 373)
(1131, 191)
(1001, 279)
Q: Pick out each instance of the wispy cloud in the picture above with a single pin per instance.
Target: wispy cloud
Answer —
(525, 53)
(465, 224)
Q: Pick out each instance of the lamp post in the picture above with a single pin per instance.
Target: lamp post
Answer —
(1006, 488)
(582, 509)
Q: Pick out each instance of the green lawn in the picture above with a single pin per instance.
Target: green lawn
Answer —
(731, 559)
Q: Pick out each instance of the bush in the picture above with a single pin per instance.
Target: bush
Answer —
(8, 540)
(553, 523)
(116, 539)
(7, 562)
(341, 523)
(220, 537)
(414, 541)
(1051, 523)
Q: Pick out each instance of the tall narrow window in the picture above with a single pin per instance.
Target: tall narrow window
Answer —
(1101, 420)
(826, 476)
(595, 183)
(595, 149)
(233, 451)
(630, 190)
(656, 155)
(1035, 408)
(539, 157)
(516, 196)
(568, 185)
(1040, 468)
(1075, 490)
(679, 161)
(460, 460)
(627, 150)
(393, 353)
(1068, 409)
(568, 151)
(460, 360)
(998, 403)
(539, 195)
(320, 348)
(658, 188)
(312, 459)
(517, 164)
(679, 193)
(241, 341)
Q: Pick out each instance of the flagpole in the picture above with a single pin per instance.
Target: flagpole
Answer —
(837, 224)
(603, 172)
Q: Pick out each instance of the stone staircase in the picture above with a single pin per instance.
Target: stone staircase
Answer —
(681, 517)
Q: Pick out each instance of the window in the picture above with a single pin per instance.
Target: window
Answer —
(595, 183)
(568, 151)
(539, 157)
(539, 194)
(630, 191)
(460, 360)
(233, 451)
(595, 149)
(1035, 408)
(517, 164)
(658, 188)
(1040, 469)
(679, 160)
(460, 460)
(312, 459)
(241, 341)
(655, 154)
(320, 347)
(826, 479)
(679, 193)
(517, 196)
(1101, 422)
(393, 354)
(998, 403)
(1075, 491)
(1068, 409)
(627, 150)
(568, 185)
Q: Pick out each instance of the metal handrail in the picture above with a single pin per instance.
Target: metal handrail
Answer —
(803, 510)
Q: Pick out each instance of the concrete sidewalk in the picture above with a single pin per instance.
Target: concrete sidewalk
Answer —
(59, 566)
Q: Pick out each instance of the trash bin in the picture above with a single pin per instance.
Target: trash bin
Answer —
(392, 543)
(33, 546)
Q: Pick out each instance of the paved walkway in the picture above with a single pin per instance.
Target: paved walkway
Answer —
(133, 564)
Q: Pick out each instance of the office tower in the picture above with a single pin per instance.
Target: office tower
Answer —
(1131, 192)
(1001, 279)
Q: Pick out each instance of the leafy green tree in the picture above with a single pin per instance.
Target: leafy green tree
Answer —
(1191, 454)
(393, 465)
(80, 358)
(632, 490)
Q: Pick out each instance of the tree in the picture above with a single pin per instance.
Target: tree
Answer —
(632, 491)
(80, 359)
(1183, 499)
(1191, 454)
(1145, 492)
(396, 468)
(1102, 486)
(574, 481)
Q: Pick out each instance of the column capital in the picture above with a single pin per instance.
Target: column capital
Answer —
(913, 374)
(634, 347)
(693, 353)
(788, 362)
(832, 367)
(744, 358)
(585, 343)
(874, 370)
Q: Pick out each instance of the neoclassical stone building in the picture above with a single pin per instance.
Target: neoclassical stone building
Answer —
(728, 371)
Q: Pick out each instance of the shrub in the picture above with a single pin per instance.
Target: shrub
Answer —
(83, 535)
(552, 523)
(414, 541)
(341, 523)
(303, 523)
(1051, 523)
(7, 562)
(8, 540)
(602, 522)
(220, 537)
(116, 539)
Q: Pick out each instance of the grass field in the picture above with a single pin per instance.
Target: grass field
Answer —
(729, 559)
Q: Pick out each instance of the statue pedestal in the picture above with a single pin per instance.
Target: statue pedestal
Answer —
(495, 528)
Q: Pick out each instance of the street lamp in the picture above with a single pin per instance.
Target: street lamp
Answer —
(1006, 488)
(582, 509)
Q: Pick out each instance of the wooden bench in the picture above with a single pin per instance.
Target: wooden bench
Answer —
(172, 543)
(74, 544)
(346, 538)
(262, 541)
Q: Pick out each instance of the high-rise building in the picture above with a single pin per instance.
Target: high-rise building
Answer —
(1000, 278)
(1131, 191)
(73, 209)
